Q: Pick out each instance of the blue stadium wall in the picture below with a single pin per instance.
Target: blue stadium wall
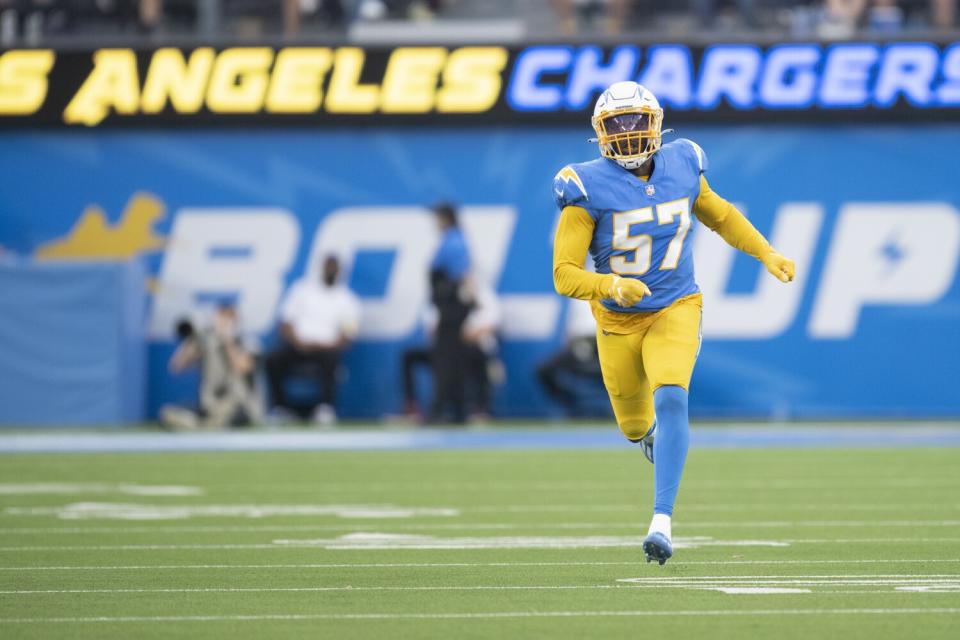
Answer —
(871, 213)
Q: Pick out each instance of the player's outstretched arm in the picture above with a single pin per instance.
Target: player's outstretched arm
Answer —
(570, 246)
(724, 218)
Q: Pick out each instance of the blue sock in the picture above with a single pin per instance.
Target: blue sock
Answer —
(669, 446)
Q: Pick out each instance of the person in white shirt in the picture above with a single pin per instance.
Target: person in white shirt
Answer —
(318, 319)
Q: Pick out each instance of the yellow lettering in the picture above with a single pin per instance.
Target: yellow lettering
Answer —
(171, 77)
(345, 94)
(23, 80)
(297, 76)
(114, 82)
(410, 82)
(472, 80)
(239, 80)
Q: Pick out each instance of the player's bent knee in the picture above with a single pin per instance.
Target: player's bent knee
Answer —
(635, 430)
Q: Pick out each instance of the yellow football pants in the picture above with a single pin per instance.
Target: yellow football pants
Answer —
(660, 350)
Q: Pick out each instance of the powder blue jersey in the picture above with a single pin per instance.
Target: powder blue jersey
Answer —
(642, 227)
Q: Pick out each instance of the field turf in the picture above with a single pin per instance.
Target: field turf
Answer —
(806, 543)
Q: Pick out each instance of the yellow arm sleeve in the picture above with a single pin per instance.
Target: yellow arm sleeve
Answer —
(723, 218)
(574, 234)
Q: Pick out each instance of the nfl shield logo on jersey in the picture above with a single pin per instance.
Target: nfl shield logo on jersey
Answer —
(650, 190)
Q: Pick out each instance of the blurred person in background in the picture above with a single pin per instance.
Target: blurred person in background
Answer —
(448, 273)
(707, 11)
(562, 373)
(575, 16)
(481, 363)
(885, 17)
(398, 9)
(319, 319)
(329, 13)
(31, 19)
(412, 359)
(227, 394)
(840, 18)
(943, 14)
(481, 350)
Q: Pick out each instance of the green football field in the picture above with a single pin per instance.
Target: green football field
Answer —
(782, 543)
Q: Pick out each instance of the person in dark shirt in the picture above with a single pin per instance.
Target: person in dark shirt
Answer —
(448, 272)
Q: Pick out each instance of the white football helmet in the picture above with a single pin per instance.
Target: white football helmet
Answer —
(627, 119)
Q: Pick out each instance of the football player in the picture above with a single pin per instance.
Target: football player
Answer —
(631, 208)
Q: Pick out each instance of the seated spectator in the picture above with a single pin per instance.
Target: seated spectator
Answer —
(562, 373)
(227, 396)
(319, 318)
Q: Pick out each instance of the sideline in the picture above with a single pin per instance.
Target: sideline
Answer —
(806, 435)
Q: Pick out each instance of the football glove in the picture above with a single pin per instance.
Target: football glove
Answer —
(627, 292)
(782, 268)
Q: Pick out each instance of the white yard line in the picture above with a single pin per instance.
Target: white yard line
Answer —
(844, 576)
(810, 506)
(312, 589)
(847, 482)
(866, 540)
(888, 593)
(125, 511)
(128, 488)
(142, 547)
(698, 582)
(695, 585)
(481, 526)
(824, 523)
(490, 615)
(429, 565)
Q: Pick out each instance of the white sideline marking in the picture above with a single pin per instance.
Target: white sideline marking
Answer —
(120, 511)
(487, 615)
(288, 545)
(402, 541)
(96, 487)
(430, 565)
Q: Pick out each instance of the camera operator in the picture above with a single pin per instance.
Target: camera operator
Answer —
(227, 396)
